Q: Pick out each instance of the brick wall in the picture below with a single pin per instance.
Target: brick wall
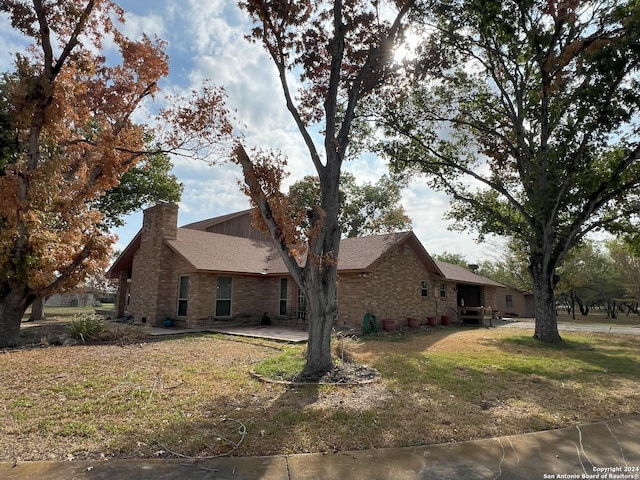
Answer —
(392, 290)
(152, 279)
(251, 296)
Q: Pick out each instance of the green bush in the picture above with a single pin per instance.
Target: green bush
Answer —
(86, 326)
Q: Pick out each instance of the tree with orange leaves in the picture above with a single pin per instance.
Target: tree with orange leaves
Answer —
(68, 138)
(344, 53)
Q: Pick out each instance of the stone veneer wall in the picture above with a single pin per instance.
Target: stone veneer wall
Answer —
(392, 290)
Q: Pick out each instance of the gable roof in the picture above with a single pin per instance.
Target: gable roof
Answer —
(125, 259)
(461, 274)
(215, 252)
(211, 222)
(363, 253)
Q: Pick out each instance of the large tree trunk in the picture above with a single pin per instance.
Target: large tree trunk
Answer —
(12, 307)
(323, 313)
(321, 278)
(37, 309)
(546, 318)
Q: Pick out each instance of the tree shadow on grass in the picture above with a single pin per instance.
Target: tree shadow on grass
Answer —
(614, 359)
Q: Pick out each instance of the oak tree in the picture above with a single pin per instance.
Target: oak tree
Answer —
(343, 52)
(530, 123)
(367, 209)
(148, 182)
(71, 136)
(626, 260)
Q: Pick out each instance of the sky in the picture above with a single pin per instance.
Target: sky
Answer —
(206, 41)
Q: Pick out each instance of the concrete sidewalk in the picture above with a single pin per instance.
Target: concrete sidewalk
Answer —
(605, 450)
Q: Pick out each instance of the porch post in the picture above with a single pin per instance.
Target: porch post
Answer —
(123, 290)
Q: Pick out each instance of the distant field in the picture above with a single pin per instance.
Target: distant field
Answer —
(63, 313)
(597, 316)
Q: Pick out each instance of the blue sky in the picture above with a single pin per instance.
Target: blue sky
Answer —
(206, 41)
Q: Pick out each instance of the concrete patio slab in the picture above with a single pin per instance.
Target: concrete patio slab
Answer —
(284, 333)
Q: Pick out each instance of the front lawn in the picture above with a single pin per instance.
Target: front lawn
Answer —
(194, 395)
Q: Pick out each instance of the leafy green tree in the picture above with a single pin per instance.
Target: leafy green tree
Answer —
(510, 269)
(454, 258)
(627, 262)
(528, 116)
(368, 209)
(149, 182)
(589, 278)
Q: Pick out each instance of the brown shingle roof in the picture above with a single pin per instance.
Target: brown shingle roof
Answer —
(223, 253)
(215, 252)
(460, 274)
(362, 253)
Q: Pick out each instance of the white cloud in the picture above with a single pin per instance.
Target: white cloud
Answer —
(206, 41)
(152, 24)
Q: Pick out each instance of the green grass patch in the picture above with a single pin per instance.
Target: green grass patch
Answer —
(285, 365)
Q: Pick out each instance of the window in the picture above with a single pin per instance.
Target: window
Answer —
(183, 295)
(443, 290)
(282, 310)
(424, 288)
(509, 300)
(223, 297)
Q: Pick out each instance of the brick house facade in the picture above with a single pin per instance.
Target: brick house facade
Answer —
(222, 269)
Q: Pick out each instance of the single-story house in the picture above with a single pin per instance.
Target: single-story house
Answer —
(223, 269)
(513, 302)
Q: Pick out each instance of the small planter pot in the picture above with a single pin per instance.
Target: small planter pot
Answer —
(413, 322)
(168, 323)
(445, 320)
(388, 325)
(433, 321)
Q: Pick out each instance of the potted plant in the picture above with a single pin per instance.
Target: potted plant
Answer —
(413, 322)
(388, 324)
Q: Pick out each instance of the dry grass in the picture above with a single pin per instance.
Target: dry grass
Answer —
(194, 396)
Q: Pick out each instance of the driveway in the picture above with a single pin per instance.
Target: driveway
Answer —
(570, 327)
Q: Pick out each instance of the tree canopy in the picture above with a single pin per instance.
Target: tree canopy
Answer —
(367, 209)
(626, 260)
(589, 278)
(142, 185)
(528, 118)
(343, 52)
(68, 137)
